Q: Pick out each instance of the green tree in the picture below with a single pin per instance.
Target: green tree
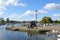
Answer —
(2, 21)
(46, 19)
(7, 20)
(56, 21)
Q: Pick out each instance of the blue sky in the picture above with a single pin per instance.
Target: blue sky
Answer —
(21, 10)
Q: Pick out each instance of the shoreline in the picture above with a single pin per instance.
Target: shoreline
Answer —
(38, 30)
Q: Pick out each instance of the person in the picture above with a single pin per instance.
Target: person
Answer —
(33, 24)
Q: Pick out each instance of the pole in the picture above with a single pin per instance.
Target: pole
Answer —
(36, 18)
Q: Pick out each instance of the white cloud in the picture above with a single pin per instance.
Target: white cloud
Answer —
(5, 3)
(28, 12)
(42, 11)
(13, 15)
(1, 13)
(15, 3)
(52, 6)
(20, 19)
(2, 5)
(22, 4)
(56, 15)
(2, 8)
(31, 12)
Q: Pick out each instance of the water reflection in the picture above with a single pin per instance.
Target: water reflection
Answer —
(17, 35)
(42, 36)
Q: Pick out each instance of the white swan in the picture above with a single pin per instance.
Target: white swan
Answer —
(58, 36)
(55, 31)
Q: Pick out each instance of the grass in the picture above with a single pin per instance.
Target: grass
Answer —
(25, 29)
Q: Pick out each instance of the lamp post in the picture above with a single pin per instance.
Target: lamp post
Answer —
(36, 18)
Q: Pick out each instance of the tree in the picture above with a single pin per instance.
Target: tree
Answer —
(7, 20)
(2, 21)
(46, 19)
(56, 21)
(43, 21)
